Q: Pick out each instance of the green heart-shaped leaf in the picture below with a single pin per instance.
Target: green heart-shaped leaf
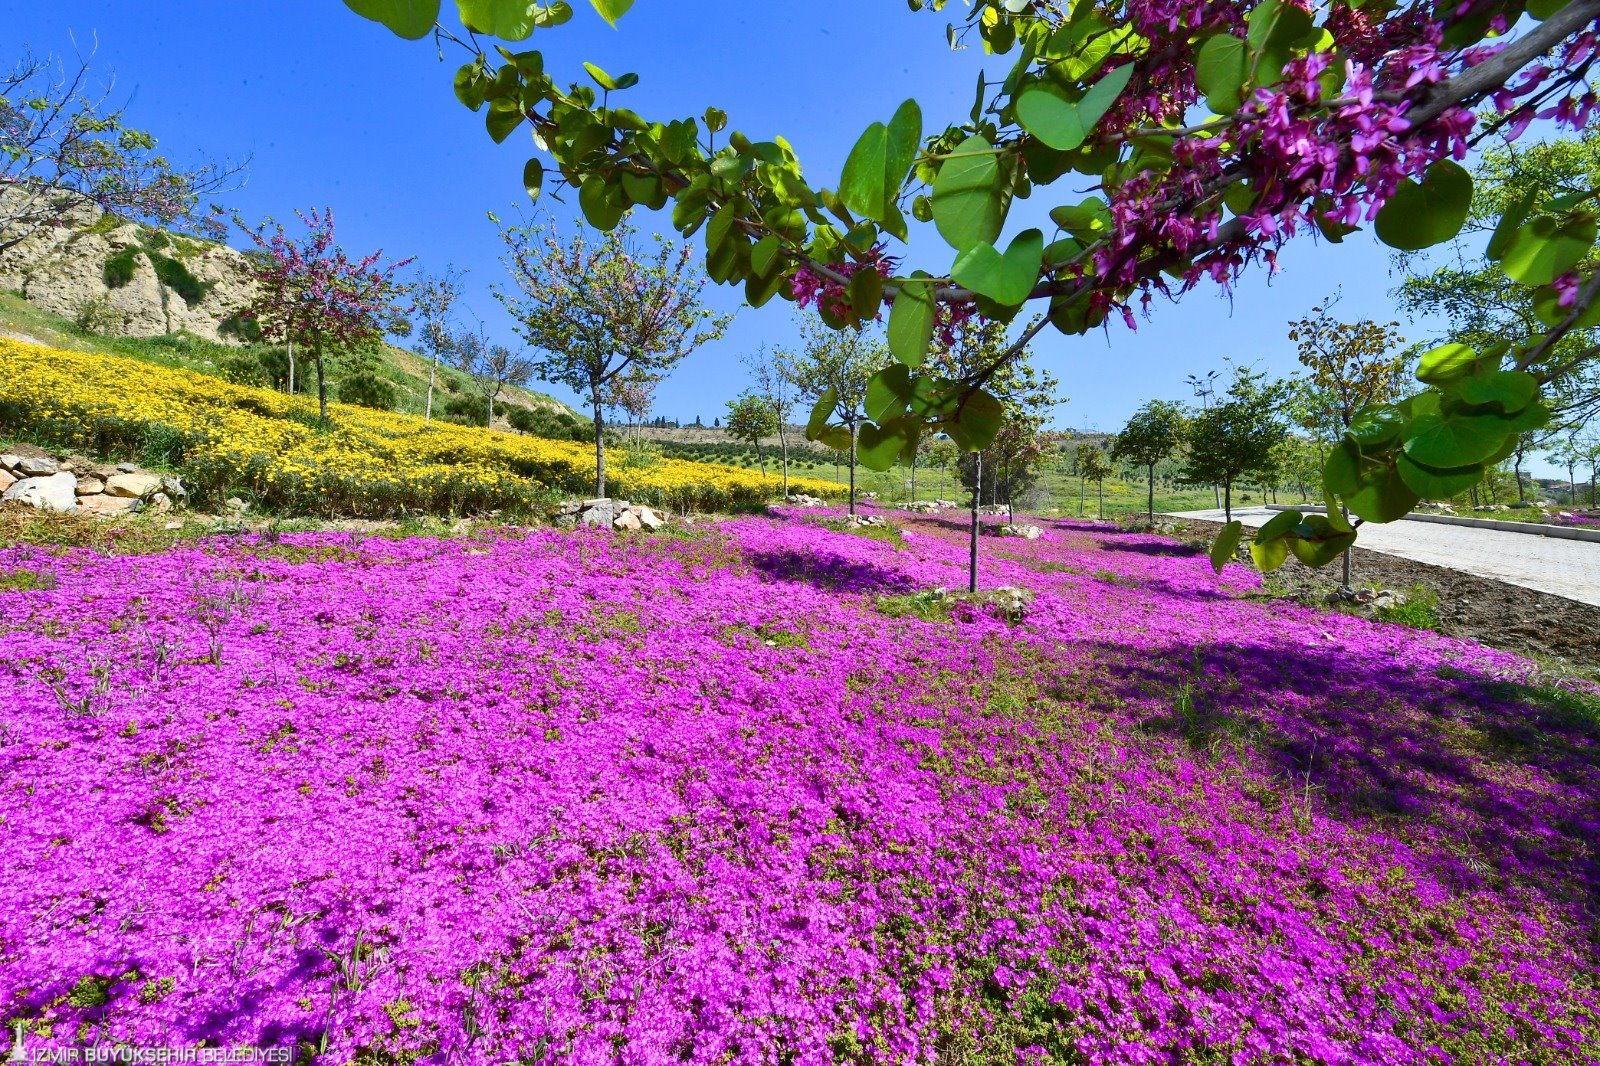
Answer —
(968, 208)
(1420, 215)
(1006, 279)
(1545, 248)
(612, 10)
(1046, 112)
(1443, 441)
(1434, 484)
(1382, 496)
(411, 19)
(1446, 363)
(911, 320)
(1221, 70)
(976, 422)
(1226, 546)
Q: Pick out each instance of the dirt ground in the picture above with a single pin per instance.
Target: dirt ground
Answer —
(1491, 612)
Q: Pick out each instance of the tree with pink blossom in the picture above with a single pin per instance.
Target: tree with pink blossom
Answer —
(311, 293)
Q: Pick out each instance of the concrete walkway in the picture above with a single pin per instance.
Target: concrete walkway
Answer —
(1569, 568)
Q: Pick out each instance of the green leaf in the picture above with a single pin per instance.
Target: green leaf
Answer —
(502, 119)
(1545, 249)
(968, 208)
(600, 203)
(411, 19)
(1321, 540)
(716, 119)
(1432, 212)
(866, 293)
(1281, 524)
(1446, 363)
(1376, 425)
(1047, 113)
(879, 447)
(821, 412)
(765, 255)
(1269, 555)
(876, 167)
(1382, 497)
(1547, 309)
(612, 10)
(911, 320)
(510, 20)
(601, 78)
(1341, 471)
(1006, 279)
(1434, 484)
(1087, 220)
(976, 422)
(1222, 70)
(1508, 390)
(533, 178)
(888, 392)
(1434, 438)
(1509, 222)
(1226, 546)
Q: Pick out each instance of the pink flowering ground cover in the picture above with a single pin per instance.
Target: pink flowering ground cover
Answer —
(754, 794)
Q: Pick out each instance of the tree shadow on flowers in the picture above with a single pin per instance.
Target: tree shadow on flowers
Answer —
(828, 570)
(1482, 776)
(1149, 547)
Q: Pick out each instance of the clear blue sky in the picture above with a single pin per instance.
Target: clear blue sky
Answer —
(336, 111)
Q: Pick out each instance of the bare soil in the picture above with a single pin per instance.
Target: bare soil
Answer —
(1490, 612)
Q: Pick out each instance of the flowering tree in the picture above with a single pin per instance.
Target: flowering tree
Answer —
(600, 311)
(634, 394)
(1214, 132)
(836, 367)
(309, 292)
(61, 142)
(436, 297)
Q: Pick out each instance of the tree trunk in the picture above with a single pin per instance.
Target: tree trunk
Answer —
(1516, 469)
(913, 478)
(852, 469)
(1080, 493)
(322, 383)
(1592, 472)
(490, 424)
(1572, 485)
(1227, 501)
(1349, 562)
(762, 459)
(599, 447)
(977, 499)
(1101, 484)
(433, 372)
(783, 444)
(291, 366)
(1152, 497)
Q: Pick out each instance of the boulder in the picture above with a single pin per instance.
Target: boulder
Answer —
(127, 468)
(56, 492)
(626, 520)
(160, 503)
(597, 513)
(107, 506)
(172, 485)
(10, 460)
(90, 486)
(6, 480)
(1026, 532)
(134, 486)
(36, 466)
(650, 520)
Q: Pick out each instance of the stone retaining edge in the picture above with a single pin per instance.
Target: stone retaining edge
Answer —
(1535, 529)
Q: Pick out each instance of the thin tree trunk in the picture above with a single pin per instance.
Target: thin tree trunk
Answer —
(291, 366)
(913, 478)
(1080, 493)
(783, 443)
(599, 448)
(433, 373)
(1152, 499)
(1102, 486)
(762, 459)
(1227, 501)
(322, 383)
(852, 469)
(1517, 469)
(1349, 562)
(977, 500)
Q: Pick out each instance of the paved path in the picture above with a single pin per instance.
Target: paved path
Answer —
(1569, 568)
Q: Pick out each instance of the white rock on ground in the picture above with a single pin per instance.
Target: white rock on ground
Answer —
(36, 466)
(55, 492)
(134, 486)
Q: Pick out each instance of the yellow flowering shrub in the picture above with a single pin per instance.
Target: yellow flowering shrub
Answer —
(234, 438)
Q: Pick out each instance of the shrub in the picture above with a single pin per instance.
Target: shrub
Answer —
(175, 275)
(240, 326)
(119, 268)
(368, 390)
(465, 410)
(95, 315)
(554, 425)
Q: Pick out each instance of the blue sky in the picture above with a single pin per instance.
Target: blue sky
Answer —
(335, 111)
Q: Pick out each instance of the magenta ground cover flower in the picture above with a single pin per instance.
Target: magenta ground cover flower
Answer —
(567, 797)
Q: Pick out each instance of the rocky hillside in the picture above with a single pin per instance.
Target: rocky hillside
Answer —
(123, 279)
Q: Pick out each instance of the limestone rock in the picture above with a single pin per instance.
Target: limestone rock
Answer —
(54, 492)
(10, 460)
(6, 480)
(103, 506)
(1017, 529)
(626, 520)
(90, 486)
(650, 519)
(135, 486)
(36, 466)
(127, 468)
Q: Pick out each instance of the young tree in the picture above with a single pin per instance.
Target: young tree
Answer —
(1152, 434)
(834, 366)
(1274, 120)
(1349, 366)
(595, 310)
(1094, 465)
(634, 394)
(750, 419)
(492, 367)
(310, 293)
(772, 373)
(1236, 436)
(62, 142)
(436, 297)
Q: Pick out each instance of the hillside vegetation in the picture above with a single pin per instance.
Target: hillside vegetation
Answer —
(271, 447)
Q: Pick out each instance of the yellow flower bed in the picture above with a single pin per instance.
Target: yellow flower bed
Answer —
(233, 438)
